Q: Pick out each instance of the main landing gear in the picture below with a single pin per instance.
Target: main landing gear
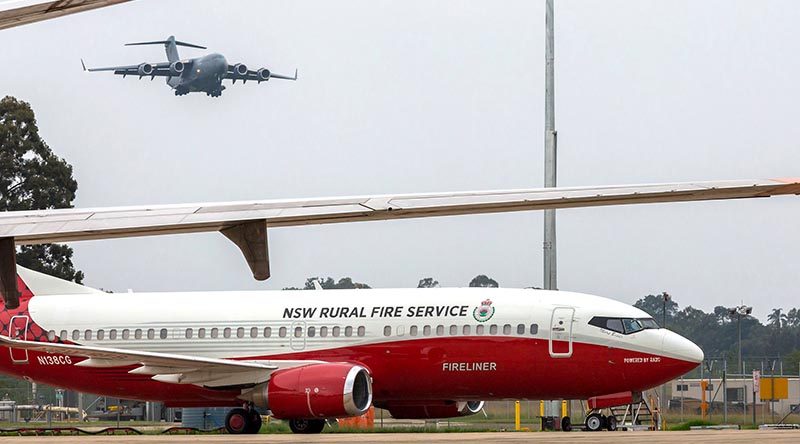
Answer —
(307, 426)
(243, 421)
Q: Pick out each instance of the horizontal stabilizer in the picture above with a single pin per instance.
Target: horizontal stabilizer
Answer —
(164, 42)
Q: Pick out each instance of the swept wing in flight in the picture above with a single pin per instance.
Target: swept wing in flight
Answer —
(245, 223)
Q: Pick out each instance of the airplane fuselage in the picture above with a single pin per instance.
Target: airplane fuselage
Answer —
(202, 74)
(419, 345)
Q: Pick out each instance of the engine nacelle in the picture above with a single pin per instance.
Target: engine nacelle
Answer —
(176, 68)
(240, 69)
(145, 69)
(330, 390)
(434, 410)
(263, 74)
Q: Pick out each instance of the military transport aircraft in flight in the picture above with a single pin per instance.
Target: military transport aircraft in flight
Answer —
(199, 74)
(420, 353)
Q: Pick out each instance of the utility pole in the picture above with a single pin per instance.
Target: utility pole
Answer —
(549, 244)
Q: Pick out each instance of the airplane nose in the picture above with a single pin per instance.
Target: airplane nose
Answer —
(676, 346)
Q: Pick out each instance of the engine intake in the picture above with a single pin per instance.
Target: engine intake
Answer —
(240, 69)
(145, 69)
(176, 68)
(263, 74)
(330, 390)
(434, 410)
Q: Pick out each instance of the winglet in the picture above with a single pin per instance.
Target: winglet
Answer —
(84, 65)
(295, 74)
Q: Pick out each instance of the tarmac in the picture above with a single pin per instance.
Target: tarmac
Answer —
(700, 436)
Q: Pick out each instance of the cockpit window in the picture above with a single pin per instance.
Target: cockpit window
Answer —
(649, 323)
(624, 325)
(631, 326)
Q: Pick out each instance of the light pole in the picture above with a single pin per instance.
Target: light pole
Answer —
(666, 297)
(738, 312)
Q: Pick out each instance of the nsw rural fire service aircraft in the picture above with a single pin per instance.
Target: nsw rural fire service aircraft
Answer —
(420, 353)
(200, 74)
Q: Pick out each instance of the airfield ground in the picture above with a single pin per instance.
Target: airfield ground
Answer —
(704, 436)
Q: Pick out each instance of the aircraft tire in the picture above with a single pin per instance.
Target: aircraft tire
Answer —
(306, 426)
(594, 422)
(236, 421)
(566, 424)
(253, 423)
(611, 423)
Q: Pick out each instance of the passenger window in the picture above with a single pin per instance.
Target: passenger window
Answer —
(51, 335)
(298, 332)
(493, 329)
(76, 335)
(362, 331)
(348, 331)
(413, 330)
(466, 330)
(87, 335)
(189, 333)
(137, 334)
(151, 333)
(267, 332)
(479, 329)
(126, 334)
(282, 332)
(240, 332)
(507, 329)
(201, 333)
(214, 333)
(336, 330)
(453, 330)
(323, 331)
(112, 334)
(387, 331)
(163, 333)
(521, 329)
(426, 330)
(440, 330)
(254, 332)
(101, 334)
(63, 335)
(311, 332)
(534, 329)
(227, 332)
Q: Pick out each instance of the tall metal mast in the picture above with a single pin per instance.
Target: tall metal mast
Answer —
(549, 245)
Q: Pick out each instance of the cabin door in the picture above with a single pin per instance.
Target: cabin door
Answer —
(18, 329)
(560, 343)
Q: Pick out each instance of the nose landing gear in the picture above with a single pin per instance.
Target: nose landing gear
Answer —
(307, 426)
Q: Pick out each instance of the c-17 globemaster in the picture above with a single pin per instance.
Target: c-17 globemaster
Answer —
(200, 74)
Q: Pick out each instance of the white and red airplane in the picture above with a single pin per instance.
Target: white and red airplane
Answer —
(312, 355)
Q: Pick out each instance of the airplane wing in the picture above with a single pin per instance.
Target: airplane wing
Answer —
(21, 12)
(164, 367)
(152, 70)
(245, 223)
(235, 72)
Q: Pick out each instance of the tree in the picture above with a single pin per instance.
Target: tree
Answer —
(427, 283)
(793, 318)
(777, 318)
(482, 280)
(654, 306)
(32, 177)
(329, 283)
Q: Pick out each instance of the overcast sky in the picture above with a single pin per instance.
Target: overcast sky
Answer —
(418, 95)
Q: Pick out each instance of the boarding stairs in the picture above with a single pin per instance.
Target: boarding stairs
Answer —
(642, 413)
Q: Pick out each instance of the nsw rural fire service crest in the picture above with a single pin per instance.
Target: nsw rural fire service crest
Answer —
(484, 312)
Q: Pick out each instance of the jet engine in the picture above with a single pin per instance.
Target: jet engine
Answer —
(176, 68)
(263, 74)
(434, 410)
(145, 69)
(330, 390)
(240, 69)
